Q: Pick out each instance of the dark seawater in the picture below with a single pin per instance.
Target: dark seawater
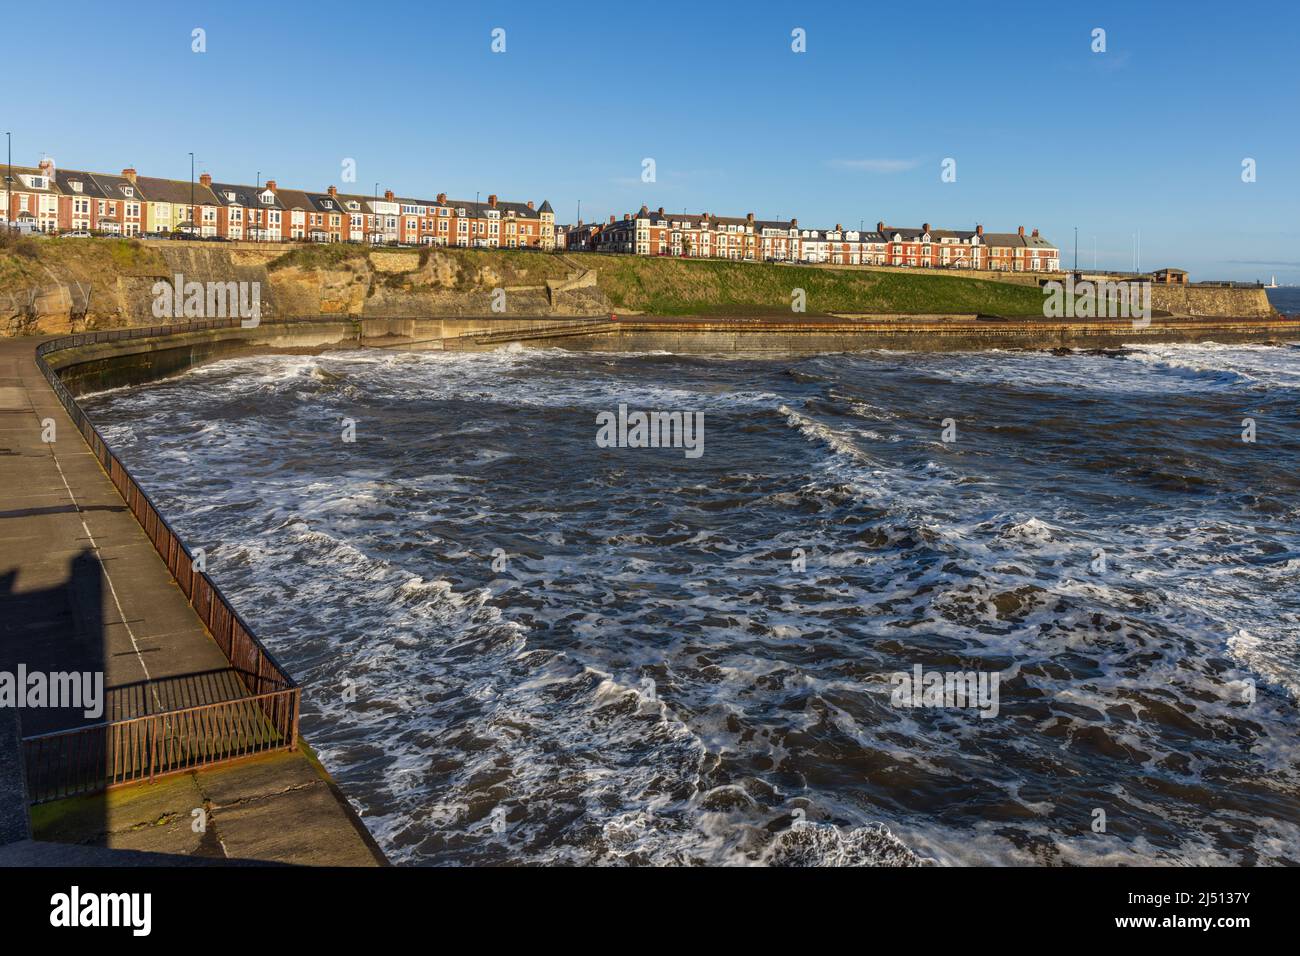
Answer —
(1286, 300)
(647, 676)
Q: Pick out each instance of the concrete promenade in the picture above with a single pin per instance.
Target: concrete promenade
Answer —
(82, 589)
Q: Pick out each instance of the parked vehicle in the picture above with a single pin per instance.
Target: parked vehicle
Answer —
(76, 234)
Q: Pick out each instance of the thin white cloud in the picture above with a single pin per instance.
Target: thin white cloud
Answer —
(875, 165)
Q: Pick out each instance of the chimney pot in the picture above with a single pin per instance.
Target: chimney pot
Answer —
(1021, 230)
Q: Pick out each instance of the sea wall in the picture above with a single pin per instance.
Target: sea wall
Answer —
(1205, 300)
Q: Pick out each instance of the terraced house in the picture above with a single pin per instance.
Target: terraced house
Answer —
(175, 205)
(48, 200)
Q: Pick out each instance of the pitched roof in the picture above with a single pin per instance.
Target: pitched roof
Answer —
(66, 177)
(175, 191)
(51, 184)
(294, 199)
(244, 196)
(117, 187)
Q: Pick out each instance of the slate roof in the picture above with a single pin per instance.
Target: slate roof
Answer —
(66, 177)
(175, 191)
(51, 185)
(246, 196)
(118, 187)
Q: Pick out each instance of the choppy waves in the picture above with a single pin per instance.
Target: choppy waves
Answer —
(521, 648)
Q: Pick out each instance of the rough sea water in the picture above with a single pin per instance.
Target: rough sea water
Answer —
(520, 647)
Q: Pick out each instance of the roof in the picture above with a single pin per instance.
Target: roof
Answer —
(66, 177)
(294, 199)
(175, 191)
(244, 195)
(51, 185)
(117, 187)
(478, 210)
(545, 207)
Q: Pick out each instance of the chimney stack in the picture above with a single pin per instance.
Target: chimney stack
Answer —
(611, 219)
(749, 217)
(979, 230)
(1035, 233)
(270, 184)
(442, 198)
(1021, 230)
(333, 191)
(205, 179)
(388, 194)
(880, 226)
(129, 173)
(925, 227)
(661, 210)
(838, 227)
(627, 217)
(530, 204)
(794, 223)
(645, 210)
(492, 200)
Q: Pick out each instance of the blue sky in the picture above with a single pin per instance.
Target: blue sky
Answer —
(1148, 136)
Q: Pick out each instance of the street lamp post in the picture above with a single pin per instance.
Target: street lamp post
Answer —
(375, 210)
(9, 184)
(193, 218)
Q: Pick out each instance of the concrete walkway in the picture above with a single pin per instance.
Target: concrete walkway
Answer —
(82, 589)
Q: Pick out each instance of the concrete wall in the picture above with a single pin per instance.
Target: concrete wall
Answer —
(1201, 300)
(131, 361)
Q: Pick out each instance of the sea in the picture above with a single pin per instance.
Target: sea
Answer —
(522, 645)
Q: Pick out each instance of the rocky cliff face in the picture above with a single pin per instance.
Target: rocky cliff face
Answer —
(78, 284)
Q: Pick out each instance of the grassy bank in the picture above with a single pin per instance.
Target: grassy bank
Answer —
(700, 287)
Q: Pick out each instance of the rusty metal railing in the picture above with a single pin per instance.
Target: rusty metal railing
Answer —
(87, 759)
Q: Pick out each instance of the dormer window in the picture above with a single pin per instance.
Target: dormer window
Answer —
(354, 205)
(76, 185)
(268, 198)
(460, 211)
(38, 182)
(128, 192)
(230, 196)
(326, 204)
